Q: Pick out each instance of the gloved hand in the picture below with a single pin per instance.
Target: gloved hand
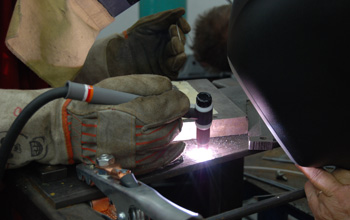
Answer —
(153, 45)
(138, 133)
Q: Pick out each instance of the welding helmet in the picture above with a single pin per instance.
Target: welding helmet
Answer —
(292, 59)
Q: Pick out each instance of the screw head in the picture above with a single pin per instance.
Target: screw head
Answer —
(122, 216)
(105, 160)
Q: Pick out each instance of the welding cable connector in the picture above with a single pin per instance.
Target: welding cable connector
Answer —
(97, 95)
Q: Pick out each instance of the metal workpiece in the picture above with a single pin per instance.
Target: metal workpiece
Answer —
(227, 120)
(261, 143)
(105, 160)
(128, 198)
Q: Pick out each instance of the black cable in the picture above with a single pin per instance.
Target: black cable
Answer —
(260, 206)
(21, 120)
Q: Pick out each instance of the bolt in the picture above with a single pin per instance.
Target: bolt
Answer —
(90, 166)
(122, 216)
(281, 176)
(105, 160)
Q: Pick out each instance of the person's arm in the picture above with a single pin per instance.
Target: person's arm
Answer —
(139, 133)
(53, 37)
(328, 194)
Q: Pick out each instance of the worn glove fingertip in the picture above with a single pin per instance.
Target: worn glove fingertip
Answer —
(184, 25)
(175, 63)
(178, 12)
(174, 151)
(175, 31)
(174, 47)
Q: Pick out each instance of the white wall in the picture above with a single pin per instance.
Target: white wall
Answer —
(122, 21)
(131, 15)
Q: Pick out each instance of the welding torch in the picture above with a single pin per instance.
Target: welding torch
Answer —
(202, 113)
(93, 95)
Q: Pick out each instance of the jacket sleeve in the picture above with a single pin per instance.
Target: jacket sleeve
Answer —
(53, 37)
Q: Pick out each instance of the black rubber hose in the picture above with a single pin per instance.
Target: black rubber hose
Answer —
(22, 119)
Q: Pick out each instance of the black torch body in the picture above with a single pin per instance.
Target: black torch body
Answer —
(204, 110)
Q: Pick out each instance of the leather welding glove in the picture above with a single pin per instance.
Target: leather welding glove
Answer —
(153, 45)
(53, 37)
(138, 133)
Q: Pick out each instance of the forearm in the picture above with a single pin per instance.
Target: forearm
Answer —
(53, 37)
(65, 131)
(42, 138)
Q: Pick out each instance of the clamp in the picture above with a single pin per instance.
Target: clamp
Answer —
(130, 196)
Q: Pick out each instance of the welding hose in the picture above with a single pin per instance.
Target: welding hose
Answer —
(96, 95)
(22, 119)
(76, 91)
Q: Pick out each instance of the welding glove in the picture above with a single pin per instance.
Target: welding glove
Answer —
(53, 37)
(153, 45)
(138, 133)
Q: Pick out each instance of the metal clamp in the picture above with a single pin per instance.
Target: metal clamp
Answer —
(130, 196)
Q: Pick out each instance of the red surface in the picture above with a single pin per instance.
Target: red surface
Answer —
(13, 73)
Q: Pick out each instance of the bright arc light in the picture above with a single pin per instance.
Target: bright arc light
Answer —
(200, 154)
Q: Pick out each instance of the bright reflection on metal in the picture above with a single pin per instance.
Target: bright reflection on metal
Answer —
(188, 132)
(200, 154)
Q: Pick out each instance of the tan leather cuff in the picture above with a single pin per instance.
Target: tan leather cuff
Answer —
(53, 37)
(92, 12)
